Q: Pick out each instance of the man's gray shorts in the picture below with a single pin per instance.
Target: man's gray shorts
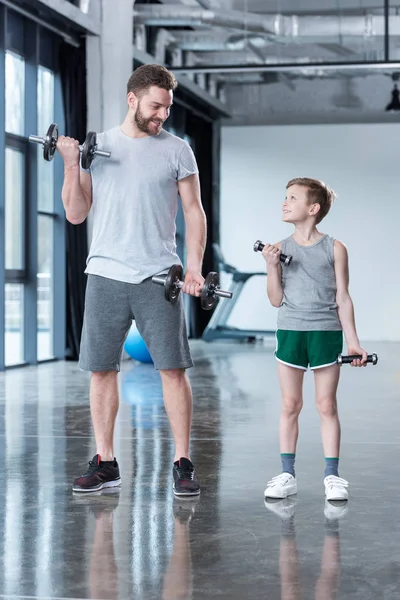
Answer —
(110, 307)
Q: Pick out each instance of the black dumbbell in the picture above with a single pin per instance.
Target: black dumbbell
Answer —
(173, 284)
(88, 151)
(345, 360)
(259, 247)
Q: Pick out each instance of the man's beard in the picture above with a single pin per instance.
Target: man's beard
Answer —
(143, 124)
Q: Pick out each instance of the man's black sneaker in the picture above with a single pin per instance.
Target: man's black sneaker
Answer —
(185, 480)
(100, 474)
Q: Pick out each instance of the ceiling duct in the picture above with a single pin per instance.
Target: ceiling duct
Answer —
(278, 25)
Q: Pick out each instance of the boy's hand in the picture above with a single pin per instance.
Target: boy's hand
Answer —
(271, 254)
(357, 349)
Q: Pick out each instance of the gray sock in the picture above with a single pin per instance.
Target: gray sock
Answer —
(331, 467)
(288, 463)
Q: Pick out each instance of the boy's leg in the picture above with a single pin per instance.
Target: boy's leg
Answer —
(291, 382)
(326, 382)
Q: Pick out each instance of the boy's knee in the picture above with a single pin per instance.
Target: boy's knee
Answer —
(326, 406)
(291, 406)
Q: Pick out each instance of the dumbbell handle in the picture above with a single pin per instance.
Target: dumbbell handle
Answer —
(342, 360)
(259, 247)
(221, 293)
(104, 153)
(37, 139)
(41, 140)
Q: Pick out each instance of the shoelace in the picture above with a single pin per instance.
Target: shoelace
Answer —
(279, 479)
(93, 466)
(185, 473)
(334, 481)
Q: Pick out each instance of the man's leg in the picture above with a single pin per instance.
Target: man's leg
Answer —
(107, 320)
(163, 328)
(104, 403)
(178, 404)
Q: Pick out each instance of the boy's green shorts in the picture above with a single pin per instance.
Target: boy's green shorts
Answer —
(300, 349)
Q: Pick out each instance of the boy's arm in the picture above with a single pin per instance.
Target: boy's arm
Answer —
(345, 303)
(271, 254)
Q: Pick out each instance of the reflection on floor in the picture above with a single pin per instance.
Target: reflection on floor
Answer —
(140, 542)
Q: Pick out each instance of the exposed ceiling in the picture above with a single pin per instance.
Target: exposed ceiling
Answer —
(209, 37)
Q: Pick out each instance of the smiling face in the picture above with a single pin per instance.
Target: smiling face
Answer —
(150, 109)
(297, 207)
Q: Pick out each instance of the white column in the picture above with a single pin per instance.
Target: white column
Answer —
(109, 65)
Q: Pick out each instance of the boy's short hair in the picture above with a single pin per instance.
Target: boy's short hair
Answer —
(147, 76)
(317, 193)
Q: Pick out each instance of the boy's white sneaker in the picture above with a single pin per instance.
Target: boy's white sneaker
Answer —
(281, 486)
(336, 488)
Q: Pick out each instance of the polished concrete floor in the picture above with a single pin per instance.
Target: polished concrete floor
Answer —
(141, 543)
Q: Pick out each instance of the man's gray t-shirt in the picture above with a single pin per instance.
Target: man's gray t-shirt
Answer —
(134, 204)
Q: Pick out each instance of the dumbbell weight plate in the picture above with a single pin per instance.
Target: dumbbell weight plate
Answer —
(172, 291)
(208, 299)
(88, 150)
(50, 142)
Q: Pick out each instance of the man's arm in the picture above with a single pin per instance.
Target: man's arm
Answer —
(196, 232)
(345, 303)
(77, 188)
(76, 194)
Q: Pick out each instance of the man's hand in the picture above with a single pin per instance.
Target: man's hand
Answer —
(193, 283)
(69, 150)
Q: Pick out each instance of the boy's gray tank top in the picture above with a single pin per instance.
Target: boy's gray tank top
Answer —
(309, 287)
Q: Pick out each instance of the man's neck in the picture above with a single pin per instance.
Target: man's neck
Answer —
(129, 128)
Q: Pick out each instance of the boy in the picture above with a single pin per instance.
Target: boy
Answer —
(315, 309)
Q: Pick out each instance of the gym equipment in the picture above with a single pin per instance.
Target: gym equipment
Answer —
(88, 151)
(343, 360)
(172, 282)
(217, 327)
(259, 247)
(135, 346)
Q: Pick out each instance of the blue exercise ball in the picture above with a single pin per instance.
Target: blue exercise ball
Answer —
(135, 346)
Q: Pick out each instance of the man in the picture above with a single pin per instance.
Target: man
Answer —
(134, 198)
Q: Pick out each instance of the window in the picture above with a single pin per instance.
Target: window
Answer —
(31, 213)
(45, 195)
(15, 209)
(45, 288)
(15, 93)
(14, 318)
(45, 91)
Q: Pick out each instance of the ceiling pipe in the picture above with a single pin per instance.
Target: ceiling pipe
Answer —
(281, 26)
(295, 67)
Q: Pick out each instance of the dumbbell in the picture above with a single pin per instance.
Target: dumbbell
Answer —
(345, 360)
(259, 247)
(173, 284)
(88, 150)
